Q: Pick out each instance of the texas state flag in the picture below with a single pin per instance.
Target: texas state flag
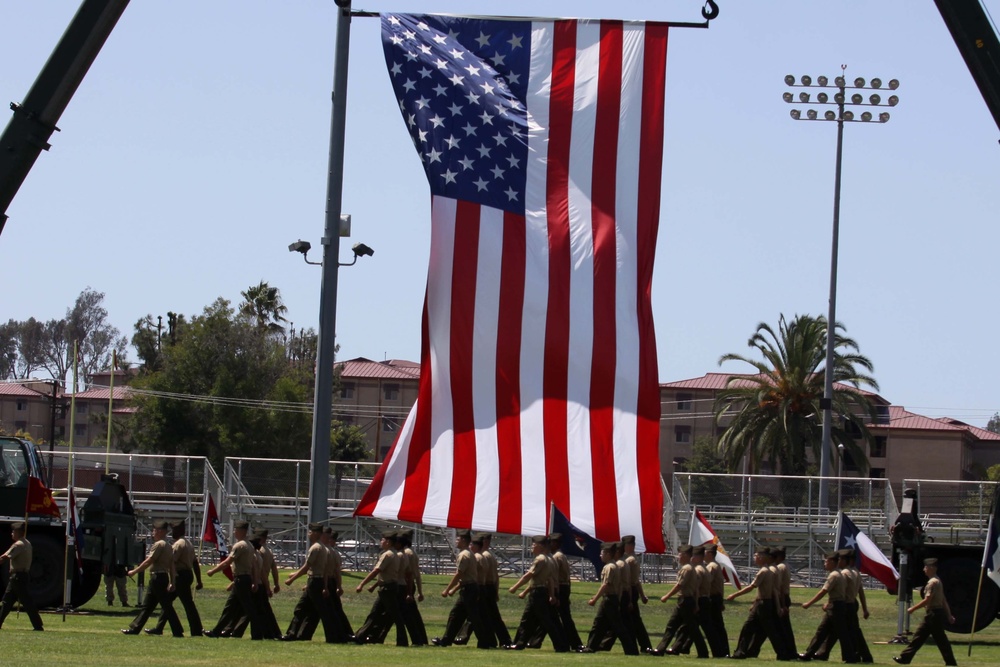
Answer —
(868, 557)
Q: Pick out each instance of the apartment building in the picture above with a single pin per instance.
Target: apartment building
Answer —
(375, 396)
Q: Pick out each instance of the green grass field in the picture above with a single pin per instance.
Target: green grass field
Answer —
(92, 637)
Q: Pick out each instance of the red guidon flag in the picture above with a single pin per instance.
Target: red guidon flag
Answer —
(702, 533)
(211, 531)
(39, 501)
(542, 144)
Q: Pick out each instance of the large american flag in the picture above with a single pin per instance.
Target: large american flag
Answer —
(542, 143)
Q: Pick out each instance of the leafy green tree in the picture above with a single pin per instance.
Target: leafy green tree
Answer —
(263, 305)
(8, 349)
(775, 414)
(993, 425)
(225, 388)
(347, 443)
(705, 459)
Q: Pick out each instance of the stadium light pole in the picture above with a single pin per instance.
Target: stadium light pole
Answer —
(842, 115)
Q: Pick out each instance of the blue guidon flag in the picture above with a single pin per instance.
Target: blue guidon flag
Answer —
(542, 142)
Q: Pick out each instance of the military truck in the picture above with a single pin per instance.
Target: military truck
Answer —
(107, 527)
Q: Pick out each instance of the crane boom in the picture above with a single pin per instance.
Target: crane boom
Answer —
(28, 132)
(977, 41)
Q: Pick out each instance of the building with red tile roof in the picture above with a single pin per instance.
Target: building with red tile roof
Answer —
(906, 445)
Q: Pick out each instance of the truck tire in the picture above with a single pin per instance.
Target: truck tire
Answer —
(85, 585)
(960, 577)
(47, 570)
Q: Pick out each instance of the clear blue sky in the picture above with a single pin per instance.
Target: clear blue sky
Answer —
(196, 150)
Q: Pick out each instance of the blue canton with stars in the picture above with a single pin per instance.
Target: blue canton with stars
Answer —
(462, 87)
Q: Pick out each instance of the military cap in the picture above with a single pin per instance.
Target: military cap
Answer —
(407, 533)
(327, 530)
(315, 527)
(778, 551)
(486, 536)
(160, 524)
(388, 534)
(539, 539)
(712, 549)
(477, 539)
(845, 553)
(698, 551)
(241, 525)
(464, 534)
(766, 551)
(930, 562)
(555, 537)
(260, 533)
(178, 525)
(608, 546)
(18, 526)
(832, 556)
(685, 549)
(628, 539)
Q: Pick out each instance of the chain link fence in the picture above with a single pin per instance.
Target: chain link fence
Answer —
(748, 511)
(953, 511)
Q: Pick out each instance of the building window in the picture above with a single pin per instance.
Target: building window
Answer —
(849, 463)
(81, 408)
(22, 405)
(391, 392)
(684, 402)
(80, 429)
(390, 425)
(878, 473)
(682, 434)
(879, 447)
(881, 414)
(347, 390)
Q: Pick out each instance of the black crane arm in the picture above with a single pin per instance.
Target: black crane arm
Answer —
(28, 132)
(977, 41)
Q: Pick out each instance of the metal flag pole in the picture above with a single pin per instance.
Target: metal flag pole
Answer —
(979, 587)
(319, 475)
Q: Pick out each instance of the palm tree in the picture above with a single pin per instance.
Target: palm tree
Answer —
(776, 415)
(262, 304)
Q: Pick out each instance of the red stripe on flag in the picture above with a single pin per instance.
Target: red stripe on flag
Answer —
(603, 231)
(650, 167)
(463, 307)
(509, 373)
(418, 463)
(556, 364)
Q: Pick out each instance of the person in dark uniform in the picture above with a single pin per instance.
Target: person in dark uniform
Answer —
(541, 596)
(489, 593)
(414, 590)
(261, 597)
(467, 605)
(565, 589)
(763, 616)
(188, 571)
(343, 629)
(160, 562)
(782, 583)
(686, 614)
(312, 603)
(19, 555)
(717, 604)
(834, 623)
(611, 634)
(611, 594)
(705, 620)
(243, 560)
(385, 610)
(115, 577)
(636, 594)
(854, 591)
(938, 614)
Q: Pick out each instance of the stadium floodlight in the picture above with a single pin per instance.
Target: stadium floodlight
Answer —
(840, 116)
